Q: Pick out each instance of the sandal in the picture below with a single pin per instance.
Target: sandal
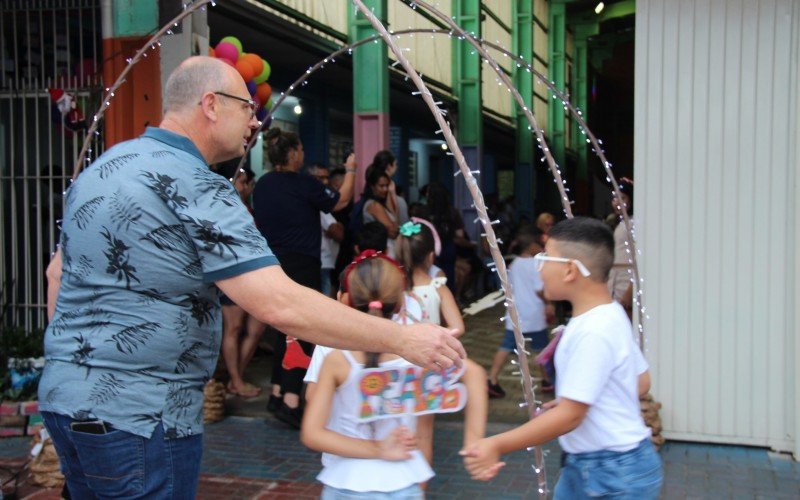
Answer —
(249, 391)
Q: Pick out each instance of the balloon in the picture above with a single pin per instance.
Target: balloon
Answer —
(235, 42)
(226, 61)
(264, 75)
(256, 62)
(245, 69)
(251, 87)
(261, 114)
(264, 91)
(227, 50)
(269, 104)
(212, 52)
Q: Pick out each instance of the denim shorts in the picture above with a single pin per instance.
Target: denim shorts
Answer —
(635, 474)
(538, 340)
(413, 492)
(119, 464)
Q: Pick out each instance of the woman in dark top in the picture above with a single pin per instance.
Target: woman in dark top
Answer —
(287, 206)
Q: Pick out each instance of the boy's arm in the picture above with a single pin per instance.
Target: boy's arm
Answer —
(644, 383)
(483, 458)
(316, 436)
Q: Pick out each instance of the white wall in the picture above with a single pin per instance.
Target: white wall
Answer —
(716, 167)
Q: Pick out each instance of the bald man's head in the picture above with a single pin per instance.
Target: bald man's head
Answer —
(193, 78)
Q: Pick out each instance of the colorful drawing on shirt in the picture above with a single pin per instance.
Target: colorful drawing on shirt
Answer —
(410, 390)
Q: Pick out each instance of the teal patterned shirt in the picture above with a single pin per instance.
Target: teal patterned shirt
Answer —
(147, 230)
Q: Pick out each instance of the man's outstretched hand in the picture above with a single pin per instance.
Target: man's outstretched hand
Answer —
(430, 346)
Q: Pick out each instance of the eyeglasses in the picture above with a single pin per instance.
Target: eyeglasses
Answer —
(542, 257)
(250, 103)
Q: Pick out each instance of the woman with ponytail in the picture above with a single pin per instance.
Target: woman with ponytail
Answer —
(287, 208)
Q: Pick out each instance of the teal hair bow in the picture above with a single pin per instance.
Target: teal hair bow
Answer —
(410, 228)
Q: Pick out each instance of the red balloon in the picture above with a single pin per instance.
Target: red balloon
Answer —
(263, 92)
(245, 69)
(226, 61)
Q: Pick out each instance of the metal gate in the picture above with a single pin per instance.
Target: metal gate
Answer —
(50, 59)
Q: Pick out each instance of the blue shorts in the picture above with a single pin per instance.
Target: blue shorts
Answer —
(635, 474)
(538, 340)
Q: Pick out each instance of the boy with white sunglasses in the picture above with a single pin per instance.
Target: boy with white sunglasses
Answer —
(601, 374)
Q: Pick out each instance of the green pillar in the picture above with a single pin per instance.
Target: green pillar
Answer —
(580, 79)
(467, 87)
(370, 88)
(467, 74)
(522, 45)
(556, 44)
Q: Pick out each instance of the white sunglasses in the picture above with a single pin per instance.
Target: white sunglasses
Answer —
(542, 257)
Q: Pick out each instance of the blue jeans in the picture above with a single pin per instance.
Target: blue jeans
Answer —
(635, 474)
(413, 492)
(123, 465)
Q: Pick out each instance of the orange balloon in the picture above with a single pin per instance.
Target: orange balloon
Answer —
(255, 61)
(212, 52)
(263, 91)
(245, 69)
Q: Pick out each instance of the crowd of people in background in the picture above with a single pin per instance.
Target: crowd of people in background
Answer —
(316, 226)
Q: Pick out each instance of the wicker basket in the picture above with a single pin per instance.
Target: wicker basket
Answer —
(214, 402)
(45, 468)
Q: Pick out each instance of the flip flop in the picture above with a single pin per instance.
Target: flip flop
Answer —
(247, 393)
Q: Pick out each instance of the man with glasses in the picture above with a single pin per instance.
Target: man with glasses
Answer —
(150, 237)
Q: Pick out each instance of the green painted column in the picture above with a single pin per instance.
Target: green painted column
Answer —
(580, 79)
(467, 87)
(556, 45)
(522, 45)
(467, 74)
(370, 88)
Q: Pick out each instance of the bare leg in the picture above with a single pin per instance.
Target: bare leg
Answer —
(254, 330)
(500, 358)
(232, 322)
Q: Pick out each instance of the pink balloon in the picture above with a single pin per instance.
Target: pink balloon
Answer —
(227, 61)
(227, 50)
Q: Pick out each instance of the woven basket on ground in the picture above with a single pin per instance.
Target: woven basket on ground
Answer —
(45, 468)
(650, 409)
(214, 402)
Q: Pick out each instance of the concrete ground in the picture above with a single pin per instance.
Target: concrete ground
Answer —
(252, 455)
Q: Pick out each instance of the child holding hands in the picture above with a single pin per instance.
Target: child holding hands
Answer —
(601, 374)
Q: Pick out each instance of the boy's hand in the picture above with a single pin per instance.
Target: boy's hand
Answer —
(482, 460)
(397, 445)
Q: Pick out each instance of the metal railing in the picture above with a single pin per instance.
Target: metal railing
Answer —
(45, 46)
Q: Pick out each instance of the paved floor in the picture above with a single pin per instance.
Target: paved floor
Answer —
(252, 455)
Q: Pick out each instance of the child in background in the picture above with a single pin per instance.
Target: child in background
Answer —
(376, 459)
(415, 246)
(531, 307)
(601, 374)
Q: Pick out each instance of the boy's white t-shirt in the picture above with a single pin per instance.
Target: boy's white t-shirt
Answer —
(526, 282)
(598, 363)
(413, 313)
